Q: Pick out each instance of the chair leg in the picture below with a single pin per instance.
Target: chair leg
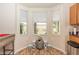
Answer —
(3, 50)
(13, 47)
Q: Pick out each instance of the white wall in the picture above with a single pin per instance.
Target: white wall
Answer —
(59, 41)
(7, 18)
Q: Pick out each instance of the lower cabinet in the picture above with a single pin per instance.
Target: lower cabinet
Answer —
(72, 48)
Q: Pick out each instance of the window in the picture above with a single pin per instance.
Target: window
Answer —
(23, 22)
(40, 24)
(55, 22)
(55, 26)
(23, 28)
(40, 28)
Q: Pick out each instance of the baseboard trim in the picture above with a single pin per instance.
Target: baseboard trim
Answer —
(59, 49)
(19, 50)
(52, 46)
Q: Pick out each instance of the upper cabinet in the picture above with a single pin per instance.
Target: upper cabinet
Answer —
(74, 14)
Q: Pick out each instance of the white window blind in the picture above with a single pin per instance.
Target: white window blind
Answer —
(23, 21)
(55, 22)
(40, 22)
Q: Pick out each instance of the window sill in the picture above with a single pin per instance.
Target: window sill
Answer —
(23, 34)
(40, 34)
(56, 34)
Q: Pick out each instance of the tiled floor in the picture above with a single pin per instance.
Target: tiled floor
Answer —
(48, 51)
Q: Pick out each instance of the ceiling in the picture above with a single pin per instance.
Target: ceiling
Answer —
(40, 5)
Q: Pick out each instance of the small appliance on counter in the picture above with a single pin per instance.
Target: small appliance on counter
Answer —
(73, 31)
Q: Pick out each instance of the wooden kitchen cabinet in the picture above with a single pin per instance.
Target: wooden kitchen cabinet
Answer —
(74, 14)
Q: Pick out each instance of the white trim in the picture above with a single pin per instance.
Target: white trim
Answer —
(59, 49)
(19, 50)
(51, 45)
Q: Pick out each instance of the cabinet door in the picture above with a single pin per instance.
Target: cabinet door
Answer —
(77, 14)
(73, 15)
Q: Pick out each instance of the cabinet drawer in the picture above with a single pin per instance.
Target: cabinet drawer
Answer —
(74, 38)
